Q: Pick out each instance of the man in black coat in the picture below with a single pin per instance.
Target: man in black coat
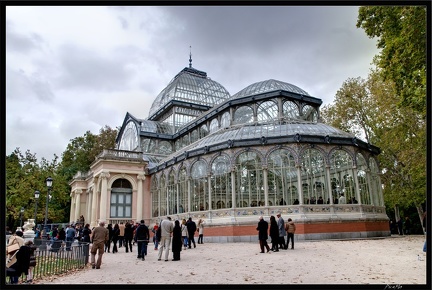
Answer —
(262, 234)
(191, 227)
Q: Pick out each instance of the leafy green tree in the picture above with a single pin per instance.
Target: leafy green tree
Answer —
(369, 109)
(82, 151)
(23, 177)
(401, 33)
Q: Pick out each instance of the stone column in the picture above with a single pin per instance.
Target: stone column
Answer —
(72, 206)
(93, 219)
(140, 196)
(89, 200)
(77, 204)
(104, 196)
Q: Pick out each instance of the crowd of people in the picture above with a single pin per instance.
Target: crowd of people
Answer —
(277, 231)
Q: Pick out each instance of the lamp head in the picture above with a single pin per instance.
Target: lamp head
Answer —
(36, 193)
(49, 181)
(22, 209)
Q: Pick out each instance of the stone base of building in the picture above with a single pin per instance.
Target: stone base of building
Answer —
(305, 230)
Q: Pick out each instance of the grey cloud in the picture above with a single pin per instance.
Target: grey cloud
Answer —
(20, 43)
(85, 69)
(124, 23)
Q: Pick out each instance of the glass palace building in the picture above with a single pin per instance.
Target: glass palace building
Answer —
(228, 159)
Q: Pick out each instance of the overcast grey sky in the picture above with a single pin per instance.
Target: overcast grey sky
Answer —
(73, 69)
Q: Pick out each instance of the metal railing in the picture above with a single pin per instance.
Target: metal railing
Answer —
(57, 257)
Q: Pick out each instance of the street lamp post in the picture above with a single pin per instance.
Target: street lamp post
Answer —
(49, 185)
(21, 214)
(36, 194)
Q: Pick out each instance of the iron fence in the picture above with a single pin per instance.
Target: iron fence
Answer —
(57, 257)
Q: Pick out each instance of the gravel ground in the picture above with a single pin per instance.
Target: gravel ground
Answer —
(390, 261)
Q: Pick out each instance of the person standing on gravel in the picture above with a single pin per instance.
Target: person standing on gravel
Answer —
(142, 236)
(262, 229)
(99, 238)
(191, 227)
(166, 230)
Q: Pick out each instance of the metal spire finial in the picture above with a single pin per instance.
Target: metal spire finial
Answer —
(190, 56)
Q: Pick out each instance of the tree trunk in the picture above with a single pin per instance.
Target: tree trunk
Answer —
(421, 214)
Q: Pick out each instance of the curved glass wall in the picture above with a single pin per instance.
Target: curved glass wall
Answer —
(155, 196)
(341, 177)
(163, 195)
(214, 125)
(165, 148)
(199, 190)
(282, 175)
(249, 180)
(310, 113)
(243, 115)
(362, 169)
(290, 110)
(375, 183)
(220, 180)
(171, 194)
(129, 139)
(313, 176)
(183, 190)
(225, 120)
(267, 111)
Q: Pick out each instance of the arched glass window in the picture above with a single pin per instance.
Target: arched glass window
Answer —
(310, 113)
(375, 183)
(164, 147)
(155, 196)
(243, 115)
(312, 173)
(203, 131)
(221, 182)
(194, 135)
(183, 191)
(214, 125)
(225, 120)
(282, 173)
(121, 199)
(163, 195)
(129, 139)
(291, 110)
(362, 169)
(199, 190)
(248, 179)
(342, 177)
(267, 111)
(172, 194)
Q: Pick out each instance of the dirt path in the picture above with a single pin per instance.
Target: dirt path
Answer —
(388, 261)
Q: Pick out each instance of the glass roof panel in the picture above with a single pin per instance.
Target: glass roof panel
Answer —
(155, 127)
(191, 86)
(268, 86)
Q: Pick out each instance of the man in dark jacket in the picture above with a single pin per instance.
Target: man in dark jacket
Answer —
(262, 234)
(191, 227)
(142, 236)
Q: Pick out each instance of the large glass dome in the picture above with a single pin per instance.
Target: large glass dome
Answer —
(268, 86)
(191, 86)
